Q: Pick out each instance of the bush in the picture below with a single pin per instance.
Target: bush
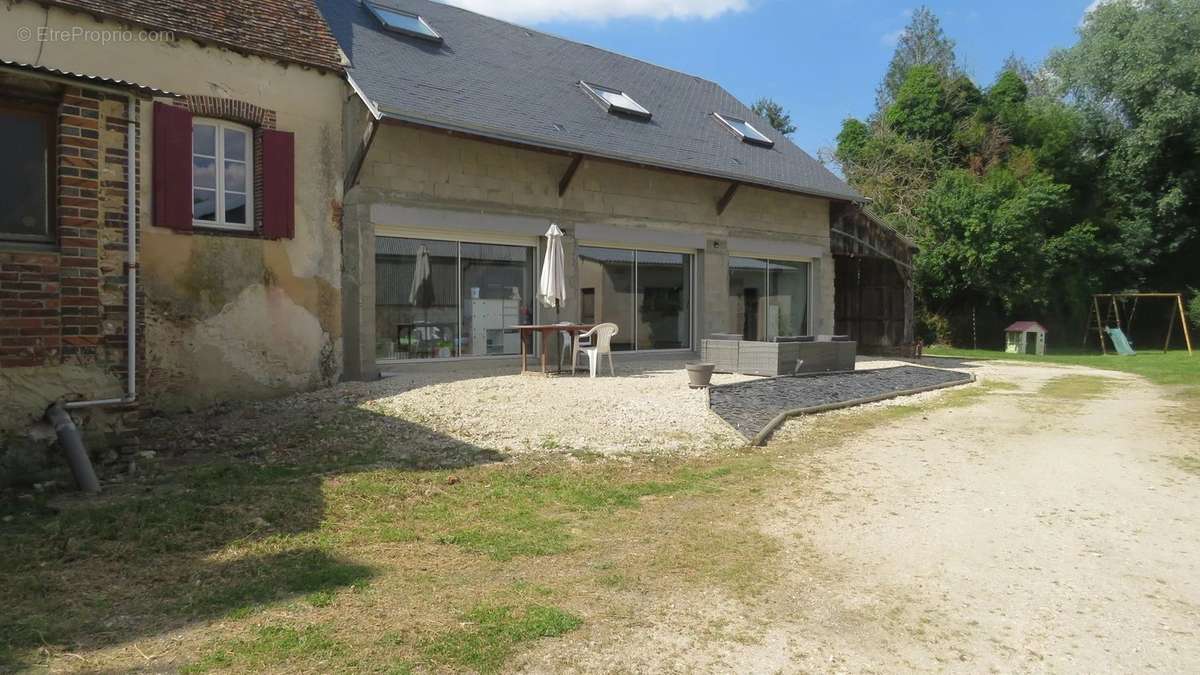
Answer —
(934, 329)
(1193, 309)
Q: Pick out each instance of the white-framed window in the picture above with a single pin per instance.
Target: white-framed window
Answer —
(222, 175)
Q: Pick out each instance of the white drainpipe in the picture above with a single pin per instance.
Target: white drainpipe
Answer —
(130, 273)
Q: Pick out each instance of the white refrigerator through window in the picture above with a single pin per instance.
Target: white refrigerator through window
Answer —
(490, 320)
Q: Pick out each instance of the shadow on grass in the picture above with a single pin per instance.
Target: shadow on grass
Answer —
(207, 533)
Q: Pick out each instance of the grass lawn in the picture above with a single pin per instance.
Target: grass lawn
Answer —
(329, 544)
(321, 547)
(1170, 368)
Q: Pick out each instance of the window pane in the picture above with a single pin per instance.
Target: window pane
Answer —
(787, 312)
(497, 292)
(747, 297)
(204, 172)
(416, 298)
(606, 277)
(204, 204)
(23, 177)
(746, 129)
(618, 99)
(235, 144)
(235, 208)
(664, 294)
(404, 22)
(235, 176)
(204, 140)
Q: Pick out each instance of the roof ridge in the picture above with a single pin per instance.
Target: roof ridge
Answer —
(561, 38)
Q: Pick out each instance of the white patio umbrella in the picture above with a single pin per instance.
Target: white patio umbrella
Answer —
(421, 294)
(552, 285)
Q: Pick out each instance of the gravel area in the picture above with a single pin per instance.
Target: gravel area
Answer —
(750, 406)
(647, 407)
(446, 417)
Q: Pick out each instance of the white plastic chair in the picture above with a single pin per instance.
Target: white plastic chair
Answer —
(601, 337)
(570, 345)
(567, 343)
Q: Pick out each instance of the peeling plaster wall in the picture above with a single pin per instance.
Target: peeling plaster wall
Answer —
(226, 316)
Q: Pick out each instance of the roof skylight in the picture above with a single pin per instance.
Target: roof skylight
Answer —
(615, 101)
(747, 131)
(403, 22)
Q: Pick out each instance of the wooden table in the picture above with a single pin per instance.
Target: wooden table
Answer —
(546, 329)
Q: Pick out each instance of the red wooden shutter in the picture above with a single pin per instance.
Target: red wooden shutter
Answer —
(172, 167)
(278, 184)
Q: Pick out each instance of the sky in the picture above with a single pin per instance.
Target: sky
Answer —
(821, 59)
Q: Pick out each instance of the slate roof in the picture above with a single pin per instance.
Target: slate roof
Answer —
(499, 80)
(288, 30)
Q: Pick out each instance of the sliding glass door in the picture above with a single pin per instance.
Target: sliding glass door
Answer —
(416, 298)
(769, 298)
(606, 283)
(648, 294)
(664, 293)
(440, 299)
(787, 298)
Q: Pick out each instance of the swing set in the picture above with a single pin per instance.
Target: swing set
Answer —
(1114, 302)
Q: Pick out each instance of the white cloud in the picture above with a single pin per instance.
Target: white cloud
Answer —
(892, 38)
(535, 11)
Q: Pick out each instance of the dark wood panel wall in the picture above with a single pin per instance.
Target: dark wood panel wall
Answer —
(873, 292)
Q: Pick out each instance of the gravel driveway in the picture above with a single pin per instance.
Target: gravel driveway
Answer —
(1022, 532)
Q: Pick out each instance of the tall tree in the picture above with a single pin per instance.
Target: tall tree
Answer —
(923, 43)
(775, 114)
(921, 108)
(1136, 75)
(1038, 81)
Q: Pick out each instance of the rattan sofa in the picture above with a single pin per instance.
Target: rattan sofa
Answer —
(782, 356)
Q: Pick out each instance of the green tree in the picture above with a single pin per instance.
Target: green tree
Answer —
(1135, 75)
(921, 109)
(891, 168)
(984, 238)
(1037, 82)
(775, 114)
(923, 43)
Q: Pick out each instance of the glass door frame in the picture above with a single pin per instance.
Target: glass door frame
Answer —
(808, 309)
(689, 255)
(460, 237)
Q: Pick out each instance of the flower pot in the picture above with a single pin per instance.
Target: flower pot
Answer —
(700, 374)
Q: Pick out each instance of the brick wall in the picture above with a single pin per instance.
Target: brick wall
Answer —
(30, 315)
(66, 304)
